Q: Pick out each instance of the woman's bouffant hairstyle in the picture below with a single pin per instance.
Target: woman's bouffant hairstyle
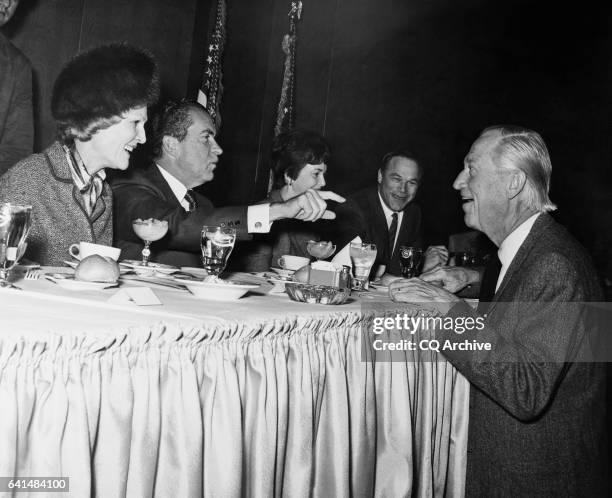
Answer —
(96, 87)
(293, 150)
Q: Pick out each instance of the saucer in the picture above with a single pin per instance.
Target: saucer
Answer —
(282, 272)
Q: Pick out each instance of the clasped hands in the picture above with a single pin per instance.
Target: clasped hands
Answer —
(436, 286)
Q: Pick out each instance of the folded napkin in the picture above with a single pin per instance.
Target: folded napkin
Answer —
(142, 296)
(343, 256)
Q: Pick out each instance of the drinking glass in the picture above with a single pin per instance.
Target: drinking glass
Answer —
(410, 260)
(320, 250)
(149, 230)
(217, 245)
(15, 222)
(362, 257)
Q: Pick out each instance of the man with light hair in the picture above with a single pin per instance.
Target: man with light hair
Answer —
(537, 408)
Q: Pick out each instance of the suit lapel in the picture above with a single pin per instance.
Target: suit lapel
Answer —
(379, 226)
(160, 182)
(534, 235)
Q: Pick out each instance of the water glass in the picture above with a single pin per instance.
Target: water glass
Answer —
(15, 222)
(362, 257)
(217, 244)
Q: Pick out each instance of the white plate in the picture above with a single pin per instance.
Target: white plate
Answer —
(196, 272)
(215, 291)
(282, 272)
(68, 282)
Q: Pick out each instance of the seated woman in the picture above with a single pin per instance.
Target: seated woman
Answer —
(299, 160)
(299, 163)
(99, 103)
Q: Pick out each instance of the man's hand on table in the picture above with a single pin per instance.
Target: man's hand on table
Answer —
(435, 256)
(452, 278)
(309, 206)
(415, 290)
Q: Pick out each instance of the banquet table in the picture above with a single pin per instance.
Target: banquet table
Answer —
(258, 397)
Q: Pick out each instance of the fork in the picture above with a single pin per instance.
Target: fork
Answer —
(33, 274)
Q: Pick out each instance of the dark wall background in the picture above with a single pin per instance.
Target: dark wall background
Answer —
(373, 75)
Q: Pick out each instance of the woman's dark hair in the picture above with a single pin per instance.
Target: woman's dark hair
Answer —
(293, 150)
(96, 87)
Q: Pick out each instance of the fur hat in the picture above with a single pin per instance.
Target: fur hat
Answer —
(101, 84)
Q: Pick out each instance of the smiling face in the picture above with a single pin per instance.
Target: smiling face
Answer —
(483, 187)
(399, 182)
(111, 147)
(311, 176)
(197, 154)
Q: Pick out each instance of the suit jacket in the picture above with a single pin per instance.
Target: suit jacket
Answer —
(536, 418)
(59, 217)
(146, 194)
(16, 116)
(363, 215)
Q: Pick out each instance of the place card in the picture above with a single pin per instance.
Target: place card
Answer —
(142, 296)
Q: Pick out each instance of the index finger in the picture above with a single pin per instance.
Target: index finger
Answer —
(328, 195)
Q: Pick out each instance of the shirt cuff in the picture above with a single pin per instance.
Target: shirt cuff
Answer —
(258, 218)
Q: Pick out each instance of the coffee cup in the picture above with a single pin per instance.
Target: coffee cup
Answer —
(288, 262)
(84, 249)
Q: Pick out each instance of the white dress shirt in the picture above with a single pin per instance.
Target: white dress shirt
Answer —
(389, 216)
(511, 244)
(258, 216)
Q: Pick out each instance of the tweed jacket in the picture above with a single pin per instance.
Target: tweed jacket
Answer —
(536, 418)
(363, 215)
(16, 117)
(59, 217)
(146, 194)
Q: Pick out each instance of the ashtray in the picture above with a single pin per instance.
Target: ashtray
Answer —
(316, 294)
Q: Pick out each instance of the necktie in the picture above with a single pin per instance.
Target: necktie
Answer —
(392, 232)
(488, 284)
(190, 200)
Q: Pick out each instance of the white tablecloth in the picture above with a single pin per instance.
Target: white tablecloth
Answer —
(259, 397)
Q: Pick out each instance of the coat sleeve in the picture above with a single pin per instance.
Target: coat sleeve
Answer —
(132, 201)
(533, 338)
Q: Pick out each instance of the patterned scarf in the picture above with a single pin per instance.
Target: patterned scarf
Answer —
(90, 186)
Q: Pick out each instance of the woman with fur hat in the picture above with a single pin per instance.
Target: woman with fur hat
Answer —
(99, 102)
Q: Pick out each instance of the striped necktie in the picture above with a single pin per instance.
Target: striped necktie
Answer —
(190, 200)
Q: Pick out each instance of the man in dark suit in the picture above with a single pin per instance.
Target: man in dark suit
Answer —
(16, 121)
(537, 406)
(387, 215)
(185, 156)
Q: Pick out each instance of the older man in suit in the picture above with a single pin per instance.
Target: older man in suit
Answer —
(536, 411)
(185, 156)
(387, 215)
(16, 122)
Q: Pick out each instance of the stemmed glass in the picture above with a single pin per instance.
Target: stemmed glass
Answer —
(362, 257)
(15, 222)
(217, 244)
(320, 250)
(149, 230)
